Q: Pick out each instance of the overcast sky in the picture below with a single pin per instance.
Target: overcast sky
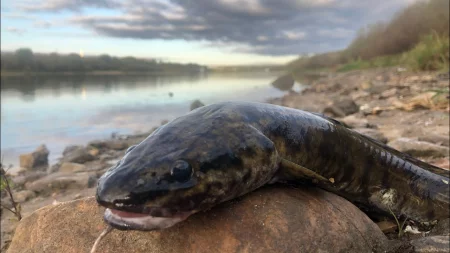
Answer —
(212, 32)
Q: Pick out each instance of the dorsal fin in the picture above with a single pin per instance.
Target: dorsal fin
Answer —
(336, 122)
(404, 156)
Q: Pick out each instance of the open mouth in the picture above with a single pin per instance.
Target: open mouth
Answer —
(137, 221)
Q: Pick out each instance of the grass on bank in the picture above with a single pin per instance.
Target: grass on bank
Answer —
(378, 62)
(431, 53)
(416, 37)
(6, 186)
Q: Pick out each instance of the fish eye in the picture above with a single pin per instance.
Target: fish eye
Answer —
(181, 171)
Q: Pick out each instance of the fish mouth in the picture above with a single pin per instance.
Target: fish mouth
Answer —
(124, 220)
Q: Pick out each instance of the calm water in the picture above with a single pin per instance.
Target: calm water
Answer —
(66, 110)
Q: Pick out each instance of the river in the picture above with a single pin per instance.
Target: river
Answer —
(64, 110)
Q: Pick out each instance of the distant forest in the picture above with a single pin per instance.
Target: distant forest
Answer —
(24, 60)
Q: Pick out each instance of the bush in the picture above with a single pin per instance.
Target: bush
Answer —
(431, 53)
(417, 36)
(403, 32)
(317, 62)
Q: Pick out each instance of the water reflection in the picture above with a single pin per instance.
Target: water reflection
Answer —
(66, 110)
(27, 85)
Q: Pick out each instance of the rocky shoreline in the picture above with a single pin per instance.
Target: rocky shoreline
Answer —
(408, 111)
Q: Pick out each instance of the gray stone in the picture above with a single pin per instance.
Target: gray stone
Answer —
(92, 181)
(70, 148)
(38, 159)
(77, 154)
(117, 145)
(72, 167)
(114, 144)
(438, 139)
(284, 83)
(31, 176)
(431, 244)
(196, 104)
(372, 133)
(99, 144)
(59, 181)
(442, 228)
(341, 108)
(388, 93)
(353, 122)
(94, 152)
(419, 148)
(24, 195)
(54, 168)
(16, 171)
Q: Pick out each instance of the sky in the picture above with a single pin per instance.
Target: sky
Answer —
(209, 32)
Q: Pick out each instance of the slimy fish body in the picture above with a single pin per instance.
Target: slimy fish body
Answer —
(222, 151)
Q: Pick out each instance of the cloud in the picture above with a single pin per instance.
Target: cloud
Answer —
(291, 35)
(59, 5)
(283, 27)
(20, 16)
(336, 33)
(15, 30)
(42, 24)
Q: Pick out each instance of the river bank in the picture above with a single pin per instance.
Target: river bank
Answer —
(407, 110)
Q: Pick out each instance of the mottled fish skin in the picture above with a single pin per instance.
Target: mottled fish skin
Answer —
(236, 147)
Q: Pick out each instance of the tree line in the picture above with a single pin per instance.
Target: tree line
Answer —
(24, 59)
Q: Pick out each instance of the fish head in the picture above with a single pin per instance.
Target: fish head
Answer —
(188, 165)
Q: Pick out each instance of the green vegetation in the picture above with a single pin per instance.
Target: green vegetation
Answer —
(24, 60)
(432, 52)
(417, 37)
(399, 226)
(5, 186)
(377, 62)
(319, 61)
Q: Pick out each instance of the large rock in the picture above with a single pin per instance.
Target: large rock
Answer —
(272, 219)
(341, 108)
(354, 122)
(196, 104)
(60, 181)
(36, 159)
(70, 148)
(77, 154)
(24, 195)
(438, 139)
(113, 144)
(372, 133)
(284, 83)
(31, 176)
(419, 148)
(431, 244)
(72, 167)
(442, 228)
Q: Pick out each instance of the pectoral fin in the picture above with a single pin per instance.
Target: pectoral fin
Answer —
(291, 169)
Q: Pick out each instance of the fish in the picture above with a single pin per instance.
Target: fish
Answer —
(222, 151)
